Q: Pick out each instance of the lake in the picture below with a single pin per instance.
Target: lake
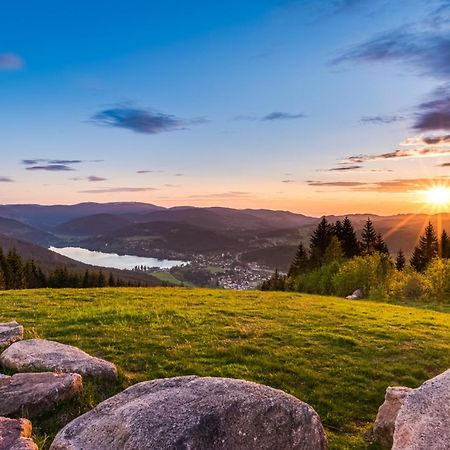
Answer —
(113, 260)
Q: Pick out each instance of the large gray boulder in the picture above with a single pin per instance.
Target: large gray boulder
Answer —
(15, 434)
(196, 413)
(30, 394)
(383, 429)
(424, 419)
(41, 355)
(10, 332)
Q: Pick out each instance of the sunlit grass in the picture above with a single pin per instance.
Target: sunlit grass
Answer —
(335, 354)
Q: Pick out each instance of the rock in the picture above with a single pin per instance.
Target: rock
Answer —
(424, 419)
(357, 295)
(15, 434)
(10, 332)
(30, 394)
(41, 355)
(196, 413)
(383, 429)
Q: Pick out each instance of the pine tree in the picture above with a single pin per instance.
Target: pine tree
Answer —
(320, 240)
(34, 278)
(2, 279)
(400, 261)
(445, 245)
(86, 278)
(111, 280)
(339, 229)
(349, 241)
(101, 282)
(380, 246)
(369, 237)
(300, 262)
(16, 276)
(426, 250)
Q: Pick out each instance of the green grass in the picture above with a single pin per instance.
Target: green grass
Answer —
(337, 355)
(169, 278)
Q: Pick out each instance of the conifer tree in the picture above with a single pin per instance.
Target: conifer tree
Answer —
(101, 282)
(300, 262)
(445, 245)
(380, 246)
(349, 241)
(15, 270)
(111, 280)
(85, 281)
(426, 250)
(339, 229)
(400, 261)
(320, 240)
(369, 237)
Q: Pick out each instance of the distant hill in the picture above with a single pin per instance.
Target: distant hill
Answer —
(141, 238)
(149, 230)
(49, 261)
(15, 229)
(98, 224)
(45, 217)
(230, 219)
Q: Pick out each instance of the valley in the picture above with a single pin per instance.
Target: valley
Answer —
(226, 247)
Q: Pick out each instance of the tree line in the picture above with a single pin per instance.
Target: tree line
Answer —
(336, 256)
(16, 273)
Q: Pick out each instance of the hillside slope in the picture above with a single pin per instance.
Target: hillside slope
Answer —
(97, 224)
(49, 261)
(337, 355)
(140, 238)
(17, 230)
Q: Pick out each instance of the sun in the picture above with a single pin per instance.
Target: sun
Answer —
(438, 196)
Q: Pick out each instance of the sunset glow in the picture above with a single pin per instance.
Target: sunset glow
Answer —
(240, 106)
(438, 196)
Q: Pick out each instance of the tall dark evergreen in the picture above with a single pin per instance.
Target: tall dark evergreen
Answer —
(348, 239)
(111, 280)
(400, 261)
(426, 250)
(320, 240)
(300, 262)
(338, 230)
(34, 276)
(15, 272)
(368, 237)
(380, 246)
(445, 245)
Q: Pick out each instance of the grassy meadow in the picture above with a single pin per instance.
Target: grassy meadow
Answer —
(337, 355)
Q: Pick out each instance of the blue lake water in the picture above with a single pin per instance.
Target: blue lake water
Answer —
(113, 260)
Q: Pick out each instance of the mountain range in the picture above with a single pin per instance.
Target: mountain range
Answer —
(260, 235)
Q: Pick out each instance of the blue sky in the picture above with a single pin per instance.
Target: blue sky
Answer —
(300, 105)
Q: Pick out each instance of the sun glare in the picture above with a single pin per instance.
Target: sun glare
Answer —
(438, 196)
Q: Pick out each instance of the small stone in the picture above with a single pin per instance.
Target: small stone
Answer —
(15, 434)
(31, 394)
(41, 355)
(423, 421)
(10, 332)
(383, 429)
(196, 413)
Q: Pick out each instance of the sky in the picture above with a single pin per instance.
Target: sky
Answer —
(314, 106)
